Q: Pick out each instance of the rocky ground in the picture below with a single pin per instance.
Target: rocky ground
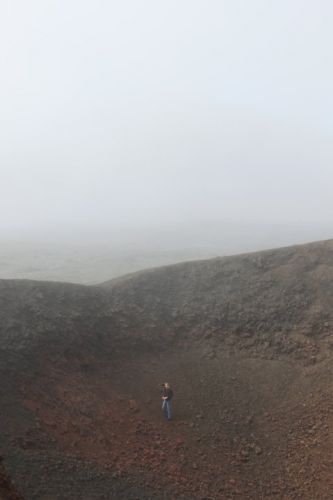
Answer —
(246, 343)
(7, 490)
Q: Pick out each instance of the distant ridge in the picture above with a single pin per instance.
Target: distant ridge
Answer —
(266, 295)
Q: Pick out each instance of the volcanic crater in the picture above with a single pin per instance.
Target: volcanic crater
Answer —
(246, 343)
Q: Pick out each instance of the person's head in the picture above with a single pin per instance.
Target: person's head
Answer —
(166, 385)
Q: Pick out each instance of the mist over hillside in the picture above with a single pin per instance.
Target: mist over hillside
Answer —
(94, 256)
(166, 215)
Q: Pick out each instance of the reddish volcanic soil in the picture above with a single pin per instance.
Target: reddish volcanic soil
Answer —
(253, 412)
(244, 429)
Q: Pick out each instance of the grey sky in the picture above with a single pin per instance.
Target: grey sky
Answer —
(150, 112)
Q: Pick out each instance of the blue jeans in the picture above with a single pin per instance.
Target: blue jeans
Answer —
(167, 410)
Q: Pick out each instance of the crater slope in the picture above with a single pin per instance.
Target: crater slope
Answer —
(245, 341)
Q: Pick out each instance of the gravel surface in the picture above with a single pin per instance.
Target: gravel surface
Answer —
(246, 343)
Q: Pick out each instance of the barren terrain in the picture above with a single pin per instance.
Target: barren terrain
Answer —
(246, 343)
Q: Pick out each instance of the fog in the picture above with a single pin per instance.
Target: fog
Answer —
(171, 125)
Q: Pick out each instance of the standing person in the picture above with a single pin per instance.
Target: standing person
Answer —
(166, 400)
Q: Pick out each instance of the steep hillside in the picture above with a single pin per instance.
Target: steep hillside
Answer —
(247, 345)
(272, 302)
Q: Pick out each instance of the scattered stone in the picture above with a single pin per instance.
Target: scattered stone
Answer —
(133, 405)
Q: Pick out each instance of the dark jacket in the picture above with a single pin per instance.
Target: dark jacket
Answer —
(167, 392)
